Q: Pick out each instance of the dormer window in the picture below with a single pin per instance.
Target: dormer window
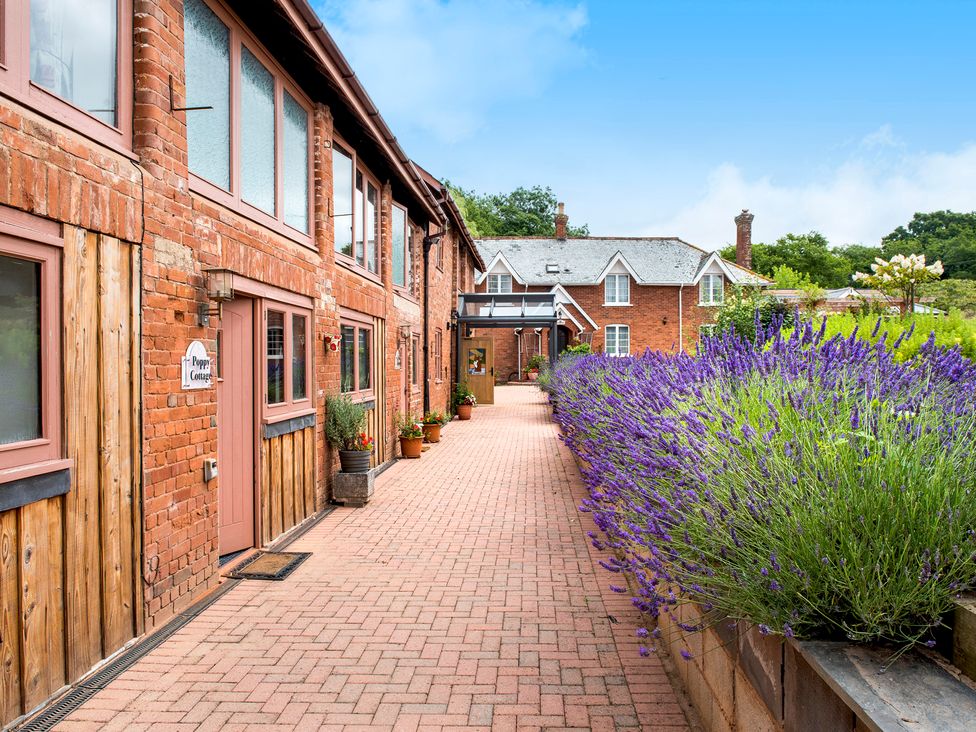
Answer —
(499, 283)
(711, 290)
(616, 289)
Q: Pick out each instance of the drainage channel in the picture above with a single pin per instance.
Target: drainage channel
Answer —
(85, 689)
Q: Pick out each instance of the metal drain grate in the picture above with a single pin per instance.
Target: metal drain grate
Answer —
(91, 685)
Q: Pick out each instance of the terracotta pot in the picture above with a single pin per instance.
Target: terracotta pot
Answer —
(432, 432)
(411, 447)
(464, 411)
(355, 461)
(533, 375)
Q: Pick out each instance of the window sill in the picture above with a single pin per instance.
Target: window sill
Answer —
(366, 398)
(349, 264)
(216, 195)
(618, 304)
(34, 469)
(710, 304)
(406, 294)
(32, 483)
(285, 416)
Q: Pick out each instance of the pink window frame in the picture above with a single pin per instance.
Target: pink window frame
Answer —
(368, 179)
(15, 79)
(439, 355)
(238, 37)
(290, 407)
(27, 238)
(403, 289)
(358, 321)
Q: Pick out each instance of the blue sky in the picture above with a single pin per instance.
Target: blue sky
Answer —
(667, 118)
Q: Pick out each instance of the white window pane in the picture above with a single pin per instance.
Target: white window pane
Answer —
(257, 134)
(623, 341)
(20, 350)
(358, 218)
(623, 288)
(611, 347)
(295, 165)
(399, 220)
(73, 52)
(207, 50)
(342, 200)
(275, 357)
(506, 283)
(609, 291)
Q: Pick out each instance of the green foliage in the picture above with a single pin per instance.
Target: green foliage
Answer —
(808, 254)
(408, 426)
(579, 349)
(952, 330)
(434, 418)
(740, 309)
(462, 394)
(944, 235)
(523, 212)
(344, 420)
(787, 278)
(951, 294)
(536, 363)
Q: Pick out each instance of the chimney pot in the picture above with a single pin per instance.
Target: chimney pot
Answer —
(562, 221)
(743, 239)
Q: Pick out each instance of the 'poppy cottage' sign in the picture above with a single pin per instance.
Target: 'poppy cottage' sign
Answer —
(196, 367)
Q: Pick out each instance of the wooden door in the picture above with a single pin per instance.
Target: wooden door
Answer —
(479, 368)
(235, 427)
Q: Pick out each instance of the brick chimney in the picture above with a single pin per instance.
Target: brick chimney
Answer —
(562, 220)
(743, 239)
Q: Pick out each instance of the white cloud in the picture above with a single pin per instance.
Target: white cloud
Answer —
(442, 65)
(859, 202)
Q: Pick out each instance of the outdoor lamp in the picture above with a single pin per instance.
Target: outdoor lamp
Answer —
(220, 289)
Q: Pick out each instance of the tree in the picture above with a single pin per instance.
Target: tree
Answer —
(787, 278)
(944, 235)
(949, 294)
(902, 275)
(523, 212)
(808, 254)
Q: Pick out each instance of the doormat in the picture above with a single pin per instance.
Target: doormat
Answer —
(270, 565)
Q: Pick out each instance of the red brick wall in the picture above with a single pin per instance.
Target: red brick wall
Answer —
(653, 317)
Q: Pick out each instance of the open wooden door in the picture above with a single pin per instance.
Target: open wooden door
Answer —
(479, 368)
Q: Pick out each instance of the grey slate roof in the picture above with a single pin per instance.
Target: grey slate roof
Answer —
(654, 260)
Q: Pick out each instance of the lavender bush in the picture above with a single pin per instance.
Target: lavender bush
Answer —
(814, 486)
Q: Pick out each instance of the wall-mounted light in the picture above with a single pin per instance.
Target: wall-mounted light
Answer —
(452, 323)
(664, 320)
(220, 289)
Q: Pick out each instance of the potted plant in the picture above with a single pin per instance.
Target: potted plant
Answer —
(411, 436)
(433, 421)
(464, 400)
(344, 422)
(535, 363)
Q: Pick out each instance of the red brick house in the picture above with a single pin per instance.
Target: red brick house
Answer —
(621, 295)
(206, 227)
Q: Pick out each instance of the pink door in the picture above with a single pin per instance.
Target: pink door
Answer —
(235, 427)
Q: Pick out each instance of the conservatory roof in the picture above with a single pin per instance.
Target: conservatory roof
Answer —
(497, 310)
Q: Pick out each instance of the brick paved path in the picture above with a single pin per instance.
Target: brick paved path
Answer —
(466, 595)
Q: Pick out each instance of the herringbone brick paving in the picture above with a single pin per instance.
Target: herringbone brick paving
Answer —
(464, 596)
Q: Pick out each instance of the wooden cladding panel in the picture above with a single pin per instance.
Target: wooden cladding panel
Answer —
(70, 592)
(287, 482)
